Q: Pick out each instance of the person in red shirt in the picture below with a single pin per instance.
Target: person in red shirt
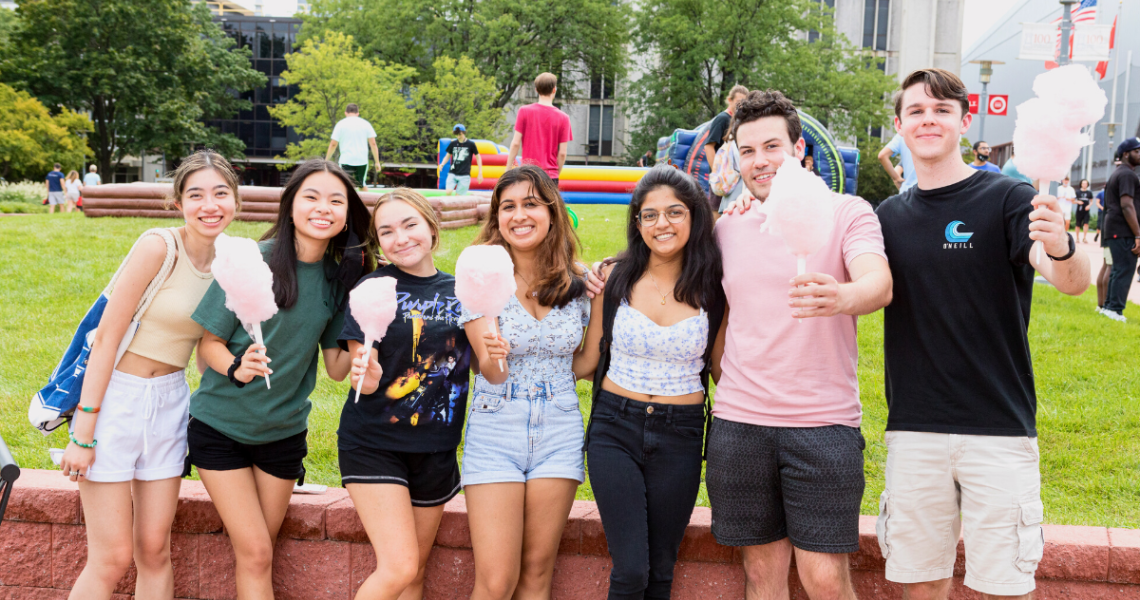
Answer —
(541, 131)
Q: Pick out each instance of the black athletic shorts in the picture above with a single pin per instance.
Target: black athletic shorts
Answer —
(359, 173)
(432, 478)
(770, 483)
(213, 450)
(1082, 218)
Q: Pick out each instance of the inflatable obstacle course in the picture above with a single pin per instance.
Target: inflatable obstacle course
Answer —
(258, 203)
(579, 184)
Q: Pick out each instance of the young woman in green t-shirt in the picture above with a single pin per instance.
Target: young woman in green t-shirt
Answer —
(248, 441)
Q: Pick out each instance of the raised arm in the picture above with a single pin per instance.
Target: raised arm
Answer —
(488, 349)
(1047, 226)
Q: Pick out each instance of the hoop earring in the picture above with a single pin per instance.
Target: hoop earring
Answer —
(345, 226)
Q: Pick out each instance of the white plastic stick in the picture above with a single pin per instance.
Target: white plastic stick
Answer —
(360, 381)
(1043, 189)
(801, 268)
(257, 338)
(491, 328)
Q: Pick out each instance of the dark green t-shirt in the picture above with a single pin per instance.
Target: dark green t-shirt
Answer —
(254, 414)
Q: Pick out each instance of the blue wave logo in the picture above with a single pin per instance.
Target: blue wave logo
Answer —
(956, 237)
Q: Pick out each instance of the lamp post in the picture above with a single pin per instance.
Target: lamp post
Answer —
(1108, 162)
(984, 75)
(1066, 30)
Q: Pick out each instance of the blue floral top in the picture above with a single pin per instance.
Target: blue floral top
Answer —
(651, 359)
(540, 350)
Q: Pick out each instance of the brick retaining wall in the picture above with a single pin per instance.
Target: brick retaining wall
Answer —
(323, 553)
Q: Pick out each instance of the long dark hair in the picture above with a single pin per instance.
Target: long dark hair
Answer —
(346, 249)
(699, 284)
(559, 274)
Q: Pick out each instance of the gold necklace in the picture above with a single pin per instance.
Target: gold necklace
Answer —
(654, 280)
(529, 287)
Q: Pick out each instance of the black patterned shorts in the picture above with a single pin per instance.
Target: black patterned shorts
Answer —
(770, 483)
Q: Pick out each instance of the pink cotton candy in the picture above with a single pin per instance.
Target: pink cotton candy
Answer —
(485, 279)
(1072, 88)
(373, 305)
(245, 278)
(802, 209)
(1045, 149)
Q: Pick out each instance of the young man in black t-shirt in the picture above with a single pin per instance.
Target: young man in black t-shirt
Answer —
(460, 152)
(961, 429)
(1121, 231)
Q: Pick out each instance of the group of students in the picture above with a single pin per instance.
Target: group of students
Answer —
(685, 304)
(64, 191)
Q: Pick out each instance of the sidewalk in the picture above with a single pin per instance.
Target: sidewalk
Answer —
(1096, 260)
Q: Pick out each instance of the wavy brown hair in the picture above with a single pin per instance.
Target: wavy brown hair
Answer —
(559, 268)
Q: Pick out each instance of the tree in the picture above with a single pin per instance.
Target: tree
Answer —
(148, 72)
(459, 94)
(8, 24)
(701, 48)
(31, 139)
(513, 40)
(332, 72)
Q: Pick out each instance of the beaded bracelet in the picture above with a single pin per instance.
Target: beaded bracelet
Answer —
(81, 444)
(88, 409)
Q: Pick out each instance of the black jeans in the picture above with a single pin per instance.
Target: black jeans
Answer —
(1123, 267)
(645, 469)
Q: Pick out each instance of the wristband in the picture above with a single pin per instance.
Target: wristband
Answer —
(1072, 251)
(88, 409)
(81, 444)
(233, 369)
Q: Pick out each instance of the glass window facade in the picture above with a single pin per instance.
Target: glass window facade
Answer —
(876, 22)
(270, 39)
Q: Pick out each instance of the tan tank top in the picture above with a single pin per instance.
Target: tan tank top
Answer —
(166, 332)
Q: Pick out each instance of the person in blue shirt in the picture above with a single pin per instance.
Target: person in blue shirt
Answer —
(56, 197)
(1009, 169)
(982, 158)
(908, 177)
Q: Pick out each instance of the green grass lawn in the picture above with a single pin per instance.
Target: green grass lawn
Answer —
(53, 266)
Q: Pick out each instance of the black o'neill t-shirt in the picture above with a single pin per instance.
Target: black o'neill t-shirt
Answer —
(422, 398)
(1122, 182)
(462, 153)
(956, 333)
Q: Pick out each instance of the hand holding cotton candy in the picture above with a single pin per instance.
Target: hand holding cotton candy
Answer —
(802, 211)
(247, 281)
(1047, 136)
(485, 282)
(373, 306)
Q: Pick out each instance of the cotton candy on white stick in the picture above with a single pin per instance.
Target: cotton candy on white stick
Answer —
(1047, 135)
(802, 211)
(373, 306)
(247, 281)
(485, 282)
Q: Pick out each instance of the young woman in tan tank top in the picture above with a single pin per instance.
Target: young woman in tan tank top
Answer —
(129, 433)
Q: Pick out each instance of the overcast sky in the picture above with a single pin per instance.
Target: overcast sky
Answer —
(980, 14)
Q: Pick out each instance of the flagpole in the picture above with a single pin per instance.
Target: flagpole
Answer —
(1112, 110)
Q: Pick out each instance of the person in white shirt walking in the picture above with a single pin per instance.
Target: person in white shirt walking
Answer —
(1065, 197)
(354, 136)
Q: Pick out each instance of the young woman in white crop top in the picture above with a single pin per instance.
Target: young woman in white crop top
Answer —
(647, 426)
(128, 437)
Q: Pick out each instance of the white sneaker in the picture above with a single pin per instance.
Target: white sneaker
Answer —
(1115, 316)
(1100, 309)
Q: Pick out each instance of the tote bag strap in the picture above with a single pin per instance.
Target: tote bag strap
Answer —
(151, 291)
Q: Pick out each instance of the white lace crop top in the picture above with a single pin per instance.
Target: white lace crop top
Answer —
(660, 361)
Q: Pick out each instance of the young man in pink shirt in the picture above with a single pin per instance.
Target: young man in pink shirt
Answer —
(541, 131)
(785, 454)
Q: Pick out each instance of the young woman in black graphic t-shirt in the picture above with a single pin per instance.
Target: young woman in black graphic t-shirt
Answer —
(1084, 204)
(397, 444)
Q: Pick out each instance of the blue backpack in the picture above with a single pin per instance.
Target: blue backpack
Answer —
(55, 403)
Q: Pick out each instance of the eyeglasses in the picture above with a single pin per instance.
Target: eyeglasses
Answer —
(648, 218)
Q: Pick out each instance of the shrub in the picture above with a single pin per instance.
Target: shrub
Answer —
(10, 208)
(27, 192)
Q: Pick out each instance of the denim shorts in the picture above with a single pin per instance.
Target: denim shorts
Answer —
(518, 432)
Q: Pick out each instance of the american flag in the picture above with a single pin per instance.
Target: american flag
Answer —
(1085, 12)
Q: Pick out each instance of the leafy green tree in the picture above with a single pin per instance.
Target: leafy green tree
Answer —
(8, 24)
(31, 139)
(148, 72)
(459, 94)
(701, 48)
(332, 72)
(511, 39)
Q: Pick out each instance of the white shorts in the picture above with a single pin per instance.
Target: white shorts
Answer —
(460, 184)
(141, 428)
(941, 484)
